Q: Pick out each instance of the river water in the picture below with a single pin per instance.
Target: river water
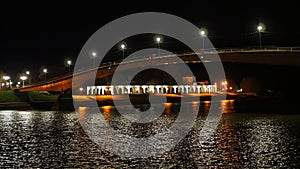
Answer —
(55, 139)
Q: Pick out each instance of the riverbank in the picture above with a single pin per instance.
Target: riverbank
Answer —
(10, 100)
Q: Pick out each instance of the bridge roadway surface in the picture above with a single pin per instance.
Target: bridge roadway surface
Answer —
(275, 56)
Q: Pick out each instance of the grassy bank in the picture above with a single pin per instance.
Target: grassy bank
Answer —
(37, 96)
(8, 96)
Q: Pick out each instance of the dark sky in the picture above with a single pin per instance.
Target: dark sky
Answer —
(45, 34)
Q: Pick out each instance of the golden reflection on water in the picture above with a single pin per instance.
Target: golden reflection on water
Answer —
(168, 107)
(227, 106)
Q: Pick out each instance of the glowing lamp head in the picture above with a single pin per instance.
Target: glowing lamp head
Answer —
(94, 54)
(27, 72)
(23, 77)
(69, 62)
(202, 33)
(123, 46)
(158, 39)
(259, 28)
(6, 77)
(45, 70)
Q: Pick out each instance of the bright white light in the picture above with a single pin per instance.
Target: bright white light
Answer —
(158, 39)
(23, 77)
(69, 62)
(6, 77)
(123, 46)
(202, 33)
(27, 72)
(81, 89)
(45, 70)
(94, 54)
(19, 83)
(259, 28)
(2, 84)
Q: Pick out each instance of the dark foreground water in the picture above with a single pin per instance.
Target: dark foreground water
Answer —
(54, 139)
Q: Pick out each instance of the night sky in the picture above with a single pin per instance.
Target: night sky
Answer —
(45, 34)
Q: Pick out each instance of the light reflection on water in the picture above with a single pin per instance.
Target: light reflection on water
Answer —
(55, 139)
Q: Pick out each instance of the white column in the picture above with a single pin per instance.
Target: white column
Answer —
(151, 89)
(187, 88)
(194, 88)
(88, 90)
(144, 89)
(158, 88)
(93, 90)
(98, 87)
(103, 89)
(199, 88)
(166, 87)
(128, 88)
(205, 88)
(112, 90)
(137, 88)
(215, 86)
(181, 89)
(209, 88)
(175, 87)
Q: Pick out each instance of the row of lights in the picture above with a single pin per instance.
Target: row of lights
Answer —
(203, 33)
(25, 77)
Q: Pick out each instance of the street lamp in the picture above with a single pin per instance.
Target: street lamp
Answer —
(45, 72)
(158, 39)
(28, 75)
(6, 78)
(69, 62)
(123, 47)
(23, 78)
(94, 55)
(203, 34)
(261, 28)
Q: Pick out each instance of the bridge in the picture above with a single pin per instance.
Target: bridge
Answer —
(269, 56)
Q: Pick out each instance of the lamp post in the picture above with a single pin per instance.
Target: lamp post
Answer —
(6, 78)
(69, 62)
(28, 75)
(23, 78)
(158, 39)
(123, 47)
(94, 55)
(260, 28)
(203, 34)
(45, 72)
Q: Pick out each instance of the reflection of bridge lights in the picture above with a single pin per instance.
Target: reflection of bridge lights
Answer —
(106, 109)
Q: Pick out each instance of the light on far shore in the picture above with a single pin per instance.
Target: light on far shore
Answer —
(6, 77)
